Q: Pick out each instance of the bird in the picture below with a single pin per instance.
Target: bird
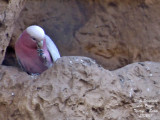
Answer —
(35, 51)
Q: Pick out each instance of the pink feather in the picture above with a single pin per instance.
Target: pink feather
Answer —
(26, 52)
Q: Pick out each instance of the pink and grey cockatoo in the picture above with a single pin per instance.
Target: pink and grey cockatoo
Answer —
(35, 51)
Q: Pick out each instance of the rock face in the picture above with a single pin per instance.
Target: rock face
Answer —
(113, 32)
(9, 12)
(76, 88)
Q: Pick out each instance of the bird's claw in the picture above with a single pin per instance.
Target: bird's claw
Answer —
(40, 52)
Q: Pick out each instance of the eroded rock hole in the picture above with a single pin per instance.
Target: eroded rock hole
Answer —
(1, 24)
(7, 1)
(10, 58)
(112, 4)
(98, 110)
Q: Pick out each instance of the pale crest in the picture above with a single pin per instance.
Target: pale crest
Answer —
(36, 32)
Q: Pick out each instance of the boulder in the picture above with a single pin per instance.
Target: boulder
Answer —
(77, 88)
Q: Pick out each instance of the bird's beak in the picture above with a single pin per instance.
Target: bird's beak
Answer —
(40, 44)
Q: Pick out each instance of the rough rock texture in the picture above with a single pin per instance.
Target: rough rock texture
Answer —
(9, 12)
(113, 32)
(76, 88)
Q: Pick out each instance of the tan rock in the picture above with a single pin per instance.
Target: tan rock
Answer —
(9, 12)
(113, 32)
(76, 88)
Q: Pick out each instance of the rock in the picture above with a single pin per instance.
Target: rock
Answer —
(114, 33)
(77, 88)
(9, 12)
(12, 86)
(121, 32)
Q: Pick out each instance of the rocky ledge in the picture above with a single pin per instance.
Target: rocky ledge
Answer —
(76, 88)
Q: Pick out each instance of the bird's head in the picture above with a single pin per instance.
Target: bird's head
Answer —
(37, 34)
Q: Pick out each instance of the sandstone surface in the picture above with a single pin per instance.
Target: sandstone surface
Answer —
(9, 12)
(119, 34)
(76, 88)
(113, 32)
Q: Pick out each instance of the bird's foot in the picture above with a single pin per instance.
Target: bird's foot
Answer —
(34, 75)
(40, 52)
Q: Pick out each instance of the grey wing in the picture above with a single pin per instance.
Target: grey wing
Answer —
(20, 64)
(52, 48)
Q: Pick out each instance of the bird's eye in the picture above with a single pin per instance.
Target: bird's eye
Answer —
(34, 38)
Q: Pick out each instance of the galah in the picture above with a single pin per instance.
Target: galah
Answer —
(35, 51)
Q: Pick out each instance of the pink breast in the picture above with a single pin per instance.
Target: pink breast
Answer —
(26, 52)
